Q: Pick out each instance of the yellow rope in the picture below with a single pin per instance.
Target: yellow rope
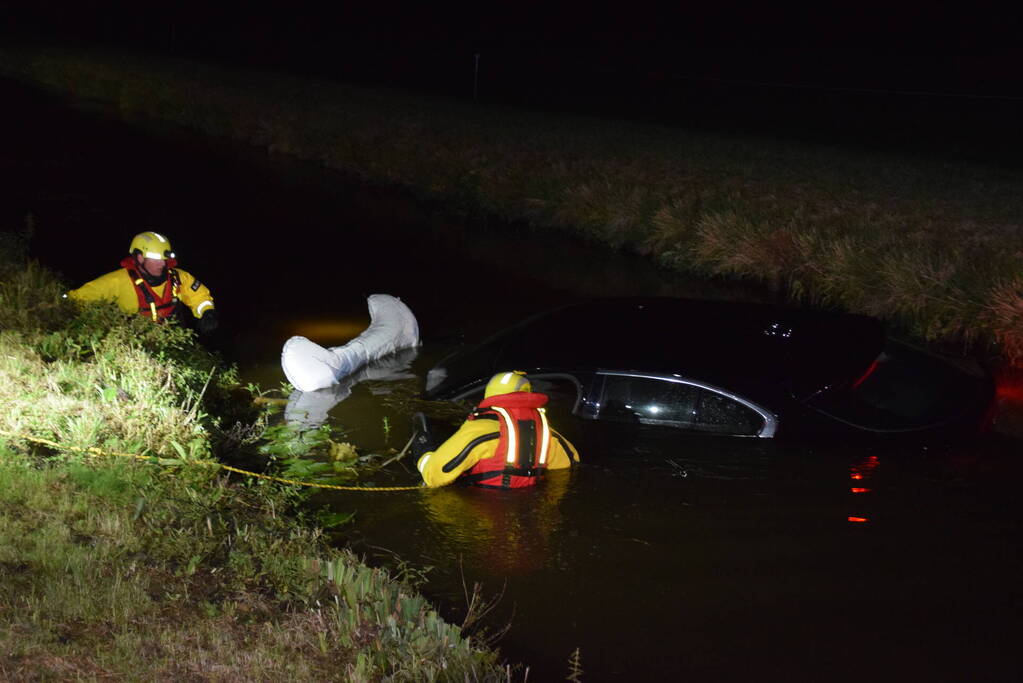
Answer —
(319, 486)
(96, 452)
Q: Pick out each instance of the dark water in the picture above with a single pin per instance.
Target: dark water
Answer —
(724, 560)
(751, 567)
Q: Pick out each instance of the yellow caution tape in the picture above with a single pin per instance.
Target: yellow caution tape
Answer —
(97, 452)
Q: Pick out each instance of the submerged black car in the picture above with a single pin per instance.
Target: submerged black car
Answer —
(724, 368)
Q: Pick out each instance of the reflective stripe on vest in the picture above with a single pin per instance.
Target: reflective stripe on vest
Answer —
(146, 298)
(545, 436)
(511, 429)
(512, 456)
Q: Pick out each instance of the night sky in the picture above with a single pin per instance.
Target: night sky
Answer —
(884, 71)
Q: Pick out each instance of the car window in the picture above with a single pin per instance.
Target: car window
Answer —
(718, 413)
(664, 401)
(563, 391)
(647, 401)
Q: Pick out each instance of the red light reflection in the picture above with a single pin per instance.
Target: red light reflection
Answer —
(864, 468)
(860, 472)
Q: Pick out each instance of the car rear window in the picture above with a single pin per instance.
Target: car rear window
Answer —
(903, 388)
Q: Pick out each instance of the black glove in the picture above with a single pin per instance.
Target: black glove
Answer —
(422, 439)
(208, 322)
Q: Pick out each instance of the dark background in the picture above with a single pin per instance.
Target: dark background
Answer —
(931, 77)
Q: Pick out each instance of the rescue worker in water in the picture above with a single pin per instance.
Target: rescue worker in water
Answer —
(504, 443)
(150, 283)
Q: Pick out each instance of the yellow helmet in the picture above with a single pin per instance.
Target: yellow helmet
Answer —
(507, 382)
(151, 245)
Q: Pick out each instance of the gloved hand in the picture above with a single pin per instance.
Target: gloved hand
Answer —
(422, 439)
(208, 322)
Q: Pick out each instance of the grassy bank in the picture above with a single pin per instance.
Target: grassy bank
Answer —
(116, 568)
(935, 247)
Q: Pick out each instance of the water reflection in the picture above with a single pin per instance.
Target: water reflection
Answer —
(329, 331)
(508, 532)
(311, 409)
(754, 558)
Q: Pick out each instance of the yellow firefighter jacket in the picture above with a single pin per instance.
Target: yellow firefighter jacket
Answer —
(118, 287)
(459, 454)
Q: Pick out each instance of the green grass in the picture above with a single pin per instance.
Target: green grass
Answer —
(114, 568)
(96, 379)
(932, 246)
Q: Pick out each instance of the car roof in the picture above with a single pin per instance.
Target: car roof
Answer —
(754, 349)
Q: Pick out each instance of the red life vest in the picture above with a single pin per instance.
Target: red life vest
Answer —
(156, 305)
(523, 445)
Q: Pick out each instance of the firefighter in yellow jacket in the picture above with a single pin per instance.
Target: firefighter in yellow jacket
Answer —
(150, 283)
(506, 441)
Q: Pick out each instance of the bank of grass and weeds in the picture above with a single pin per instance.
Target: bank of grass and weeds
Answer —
(935, 247)
(118, 568)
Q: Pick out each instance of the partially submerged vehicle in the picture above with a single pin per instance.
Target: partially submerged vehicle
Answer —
(725, 368)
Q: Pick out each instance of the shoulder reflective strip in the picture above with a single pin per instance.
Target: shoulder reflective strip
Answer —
(545, 437)
(512, 446)
(152, 308)
(422, 462)
(203, 306)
